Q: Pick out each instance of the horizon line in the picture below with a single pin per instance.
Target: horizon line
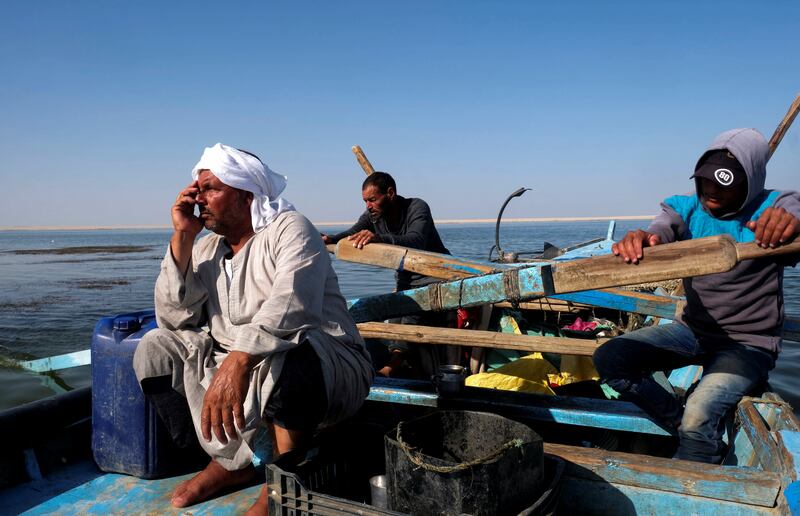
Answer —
(346, 223)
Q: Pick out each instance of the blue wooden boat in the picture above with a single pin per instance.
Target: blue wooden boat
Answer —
(610, 449)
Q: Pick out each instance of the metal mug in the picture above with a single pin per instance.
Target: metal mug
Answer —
(377, 487)
(449, 381)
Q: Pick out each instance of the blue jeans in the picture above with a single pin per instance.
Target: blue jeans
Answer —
(730, 371)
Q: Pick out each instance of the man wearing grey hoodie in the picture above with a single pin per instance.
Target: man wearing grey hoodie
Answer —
(732, 322)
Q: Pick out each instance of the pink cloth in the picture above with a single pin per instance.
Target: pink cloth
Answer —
(581, 325)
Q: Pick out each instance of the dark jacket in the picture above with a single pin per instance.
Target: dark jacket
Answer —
(415, 230)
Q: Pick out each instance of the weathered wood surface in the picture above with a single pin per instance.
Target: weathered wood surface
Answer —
(689, 478)
(398, 258)
(751, 251)
(362, 160)
(122, 494)
(765, 448)
(683, 259)
(519, 284)
(666, 307)
(597, 498)
(492, 288)
(403, 392)
(605, 414)
(478, 338)
(450, 268)
(789, 442)
(786, 418)
(687, 258)
(783, 126)
(548, 304)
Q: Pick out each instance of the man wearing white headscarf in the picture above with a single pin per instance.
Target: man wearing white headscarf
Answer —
(281, 347)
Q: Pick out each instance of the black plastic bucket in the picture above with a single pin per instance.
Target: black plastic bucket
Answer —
(547, 503)
(459, 462)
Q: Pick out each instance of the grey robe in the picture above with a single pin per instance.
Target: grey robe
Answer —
(282, 290)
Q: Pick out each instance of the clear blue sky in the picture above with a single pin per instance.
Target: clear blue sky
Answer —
(601, 107)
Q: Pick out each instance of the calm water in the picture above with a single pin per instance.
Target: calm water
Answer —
(49, 302)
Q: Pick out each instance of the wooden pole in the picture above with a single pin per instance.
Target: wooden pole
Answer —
(362, 160)
(777, 136)
(478, 338)
(435, 265)
(682, 259)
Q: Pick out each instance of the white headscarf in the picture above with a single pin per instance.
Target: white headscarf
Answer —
(245, 172)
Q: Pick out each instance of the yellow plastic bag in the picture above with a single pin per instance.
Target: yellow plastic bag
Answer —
(574, 369)
(528, 374)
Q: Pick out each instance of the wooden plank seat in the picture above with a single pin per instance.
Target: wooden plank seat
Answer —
(586, 412)
(734, 484)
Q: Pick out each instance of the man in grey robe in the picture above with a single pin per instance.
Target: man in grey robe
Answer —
(280, 348)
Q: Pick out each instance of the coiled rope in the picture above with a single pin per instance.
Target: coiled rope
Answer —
(417, 458)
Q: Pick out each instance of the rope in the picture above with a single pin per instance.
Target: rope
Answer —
(511, 286)
(435, 297)
(417, 459)
(767, 401)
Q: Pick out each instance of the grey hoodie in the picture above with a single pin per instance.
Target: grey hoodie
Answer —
(744, 305)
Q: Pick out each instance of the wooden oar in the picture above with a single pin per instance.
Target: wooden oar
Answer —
(435, 265)
(689, 258)
(362, 160)
(777, 136)
(684, 259)
(478, 338)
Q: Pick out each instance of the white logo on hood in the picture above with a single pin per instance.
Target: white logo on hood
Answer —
(723, 176)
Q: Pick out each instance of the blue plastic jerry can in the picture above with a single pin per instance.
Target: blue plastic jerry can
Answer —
(127, 434)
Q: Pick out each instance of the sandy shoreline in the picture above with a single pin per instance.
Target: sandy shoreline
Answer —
(342, 223)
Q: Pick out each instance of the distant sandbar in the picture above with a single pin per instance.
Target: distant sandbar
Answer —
(341, 223)
(517, 219)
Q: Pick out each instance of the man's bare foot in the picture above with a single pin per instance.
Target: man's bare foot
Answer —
(259, 508)
(208, 482)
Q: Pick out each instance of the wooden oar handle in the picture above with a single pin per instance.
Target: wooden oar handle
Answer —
(751, 251)
(400, 258)
(687, 258)
(478, 338)
(362, 160)
(696, 257)
(777, 136)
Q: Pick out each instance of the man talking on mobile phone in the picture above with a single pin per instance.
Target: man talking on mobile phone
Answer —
(280, 349)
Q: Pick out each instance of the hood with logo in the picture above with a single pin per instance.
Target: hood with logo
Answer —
(750, 148)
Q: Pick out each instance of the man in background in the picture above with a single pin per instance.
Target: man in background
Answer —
(393, 219)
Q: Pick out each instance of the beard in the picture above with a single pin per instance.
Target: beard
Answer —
(212, 223)
(226, 224)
